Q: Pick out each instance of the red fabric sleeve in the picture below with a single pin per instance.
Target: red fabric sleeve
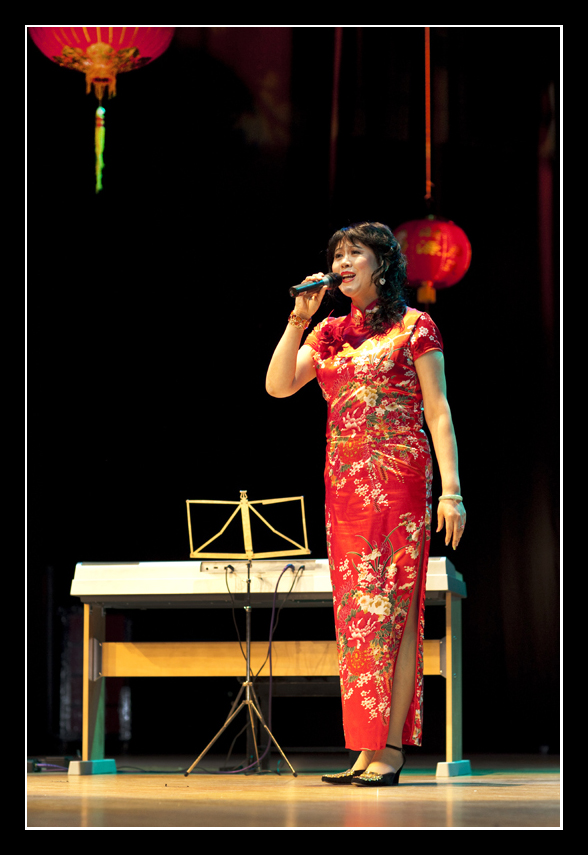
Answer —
(425, 336)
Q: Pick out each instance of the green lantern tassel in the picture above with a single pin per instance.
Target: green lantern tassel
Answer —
(99, 135)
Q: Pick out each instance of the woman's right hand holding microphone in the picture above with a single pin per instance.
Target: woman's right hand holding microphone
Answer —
(308, 302)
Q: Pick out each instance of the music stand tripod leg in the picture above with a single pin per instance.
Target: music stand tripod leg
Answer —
(211, 743)
(270, 734)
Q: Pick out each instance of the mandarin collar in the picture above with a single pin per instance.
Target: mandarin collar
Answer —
(358, 316)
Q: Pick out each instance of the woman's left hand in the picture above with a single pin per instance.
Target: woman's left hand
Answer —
(451, 513)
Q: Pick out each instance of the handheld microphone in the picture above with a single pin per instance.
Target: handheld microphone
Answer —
(332, 280)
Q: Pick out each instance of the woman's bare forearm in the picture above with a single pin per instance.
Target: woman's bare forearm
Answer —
(281, 380)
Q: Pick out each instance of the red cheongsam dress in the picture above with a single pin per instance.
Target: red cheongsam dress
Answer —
(378, 476)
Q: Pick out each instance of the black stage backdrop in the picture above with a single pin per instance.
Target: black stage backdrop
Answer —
(154, 308)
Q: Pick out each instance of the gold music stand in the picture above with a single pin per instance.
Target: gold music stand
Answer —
(245, 506)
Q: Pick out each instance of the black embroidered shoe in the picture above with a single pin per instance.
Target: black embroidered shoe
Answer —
(372, 779)
(342, 777)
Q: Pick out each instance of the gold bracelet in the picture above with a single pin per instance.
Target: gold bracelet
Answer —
(454, 496)
(299, 323)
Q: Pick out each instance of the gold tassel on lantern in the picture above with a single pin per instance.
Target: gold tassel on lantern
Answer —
(426, 293)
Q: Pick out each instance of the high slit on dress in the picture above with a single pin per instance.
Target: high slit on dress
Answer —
(378, 475)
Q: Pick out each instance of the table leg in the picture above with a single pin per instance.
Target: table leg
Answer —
(94, 691)
(455, 764)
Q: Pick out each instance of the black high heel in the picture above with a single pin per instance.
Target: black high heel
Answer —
(387, 779)
(343, 777)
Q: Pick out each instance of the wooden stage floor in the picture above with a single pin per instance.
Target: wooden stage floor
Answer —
(514, 792)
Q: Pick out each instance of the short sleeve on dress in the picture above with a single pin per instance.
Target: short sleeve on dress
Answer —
(312, 338)
(425, 336)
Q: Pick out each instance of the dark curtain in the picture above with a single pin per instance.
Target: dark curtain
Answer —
(154, 307)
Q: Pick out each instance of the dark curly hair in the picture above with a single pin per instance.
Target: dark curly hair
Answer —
(392, 267)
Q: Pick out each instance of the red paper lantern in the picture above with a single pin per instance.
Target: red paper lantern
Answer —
(438, 254)
(101, 53)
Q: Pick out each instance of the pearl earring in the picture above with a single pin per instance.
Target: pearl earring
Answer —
(382, 281)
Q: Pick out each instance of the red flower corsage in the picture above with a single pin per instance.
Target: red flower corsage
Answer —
(330, 340)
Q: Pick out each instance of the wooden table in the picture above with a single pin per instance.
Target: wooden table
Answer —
(194, 584)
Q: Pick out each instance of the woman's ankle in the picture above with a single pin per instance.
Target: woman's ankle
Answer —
(364, 759)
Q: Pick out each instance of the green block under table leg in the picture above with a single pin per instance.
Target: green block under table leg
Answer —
(92, 767)
(453, 769)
